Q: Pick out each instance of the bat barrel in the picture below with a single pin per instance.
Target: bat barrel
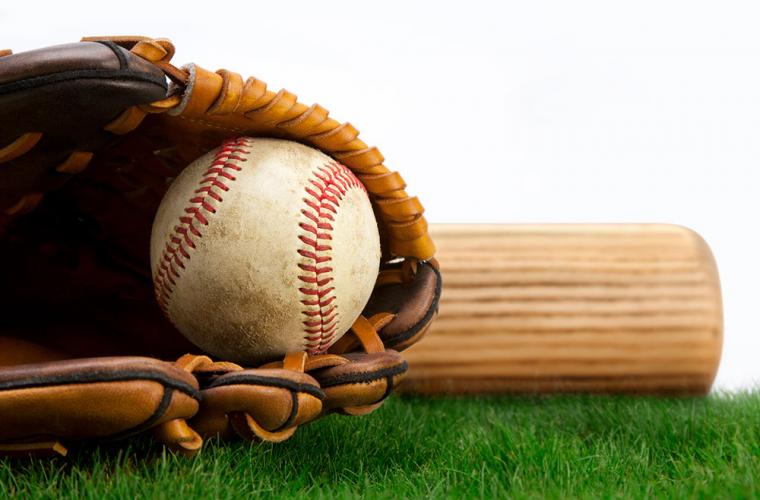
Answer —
(571, 308)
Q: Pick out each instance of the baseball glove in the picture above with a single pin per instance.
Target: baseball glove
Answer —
(91, 135)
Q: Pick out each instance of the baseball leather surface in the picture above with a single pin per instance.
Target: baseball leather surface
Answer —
(263, 247)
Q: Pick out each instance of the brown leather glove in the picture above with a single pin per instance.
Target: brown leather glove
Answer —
(91, 135)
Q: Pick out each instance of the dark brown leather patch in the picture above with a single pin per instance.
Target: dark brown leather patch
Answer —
(414, 304)
(68, 94)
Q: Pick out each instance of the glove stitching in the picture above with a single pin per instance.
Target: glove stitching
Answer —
(327, 381)
(247, 378)
(325, 190)
(31, 382)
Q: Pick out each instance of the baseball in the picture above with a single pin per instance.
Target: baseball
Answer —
(263, 247)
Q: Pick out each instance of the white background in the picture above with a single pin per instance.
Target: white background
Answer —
(509, 111)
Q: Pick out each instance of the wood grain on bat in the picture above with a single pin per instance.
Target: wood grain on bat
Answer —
(552, 308)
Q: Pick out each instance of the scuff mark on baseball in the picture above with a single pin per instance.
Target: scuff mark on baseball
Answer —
(263, 247)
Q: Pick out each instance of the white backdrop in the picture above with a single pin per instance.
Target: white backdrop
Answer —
(509, 111)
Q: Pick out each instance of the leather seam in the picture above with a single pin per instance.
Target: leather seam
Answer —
(80, 74)
(117, 52)
(148, 423)
(251, 379)
(388, 388)
(294, 409)
(98, 377)
(350, 378)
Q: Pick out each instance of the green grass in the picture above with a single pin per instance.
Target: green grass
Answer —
(575, 446)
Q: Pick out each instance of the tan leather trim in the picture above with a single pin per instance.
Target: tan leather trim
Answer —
(126, 122)
(222, 100)
(24, 204)
(367, 335)
(295, 361)
(383, 183)
(75, 163)
(264, 400)
(358, 411)
(248, 428)
(178, 436)
(20, 146)
(75, 411)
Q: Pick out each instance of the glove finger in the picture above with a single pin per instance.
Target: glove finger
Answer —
(360, 384)
(103, 398)
(413, 302)
(56, 103)
(260, 404)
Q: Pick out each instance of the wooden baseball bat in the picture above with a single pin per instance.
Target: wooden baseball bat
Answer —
(571, 308)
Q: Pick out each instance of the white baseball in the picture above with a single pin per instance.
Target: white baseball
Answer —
(263, 247)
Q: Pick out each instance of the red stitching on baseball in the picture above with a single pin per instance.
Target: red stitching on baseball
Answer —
(325, 191)
(213, 180)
